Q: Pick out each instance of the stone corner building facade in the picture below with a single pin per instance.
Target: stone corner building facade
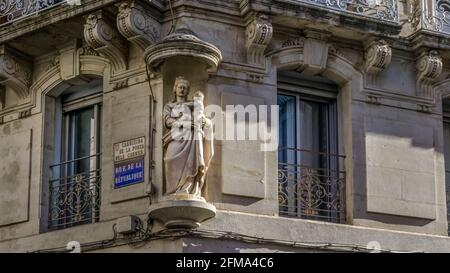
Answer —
(363, 125)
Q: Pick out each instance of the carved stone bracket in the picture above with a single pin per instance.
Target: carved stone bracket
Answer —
(429, 68)
(15, 71)
(105, 39)
(136, 24)
(378, 56)
(259, 34)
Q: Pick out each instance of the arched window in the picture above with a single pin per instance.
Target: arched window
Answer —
(72, 184)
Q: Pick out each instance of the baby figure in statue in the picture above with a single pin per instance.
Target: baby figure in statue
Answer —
(198, 115)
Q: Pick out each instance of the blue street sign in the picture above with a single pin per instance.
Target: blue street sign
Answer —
(129, 173)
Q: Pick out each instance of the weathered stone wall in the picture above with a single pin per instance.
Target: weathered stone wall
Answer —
(390, 127)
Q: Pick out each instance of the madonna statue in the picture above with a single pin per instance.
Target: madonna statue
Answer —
(188, 143)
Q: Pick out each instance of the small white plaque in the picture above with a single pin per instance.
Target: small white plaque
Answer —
(129, 149)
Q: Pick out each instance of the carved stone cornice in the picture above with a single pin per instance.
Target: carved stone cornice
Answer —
(15, 71)
(429, 68)
(137, 25)
(259, 33)
(377, 57)
(100, 34)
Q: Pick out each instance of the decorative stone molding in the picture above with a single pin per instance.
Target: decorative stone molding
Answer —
(68, 60)
(183, 42)
(254, 77)
(429, 68)
(136, 24)
(424, 108)
(15, 71)
(297, 42)
(373, 99)
(315, 51)
(55, 62)
(25, 113)
(101, 36)
(378, 56)
(86, 50)
(120, 84)
(259, 33)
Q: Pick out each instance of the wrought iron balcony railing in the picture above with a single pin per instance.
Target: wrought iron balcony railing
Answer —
(431, 15)
(14, 10)
(75, 193)
(384, 10)
(311, 185)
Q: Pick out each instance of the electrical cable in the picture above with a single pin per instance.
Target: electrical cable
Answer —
(223, 235)
(152, 125)
(172, 28)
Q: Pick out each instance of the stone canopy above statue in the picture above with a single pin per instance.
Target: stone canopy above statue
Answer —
(183, 42)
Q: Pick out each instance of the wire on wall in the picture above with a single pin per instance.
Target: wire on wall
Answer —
(152, 131)
(144, 236)
(172, 28)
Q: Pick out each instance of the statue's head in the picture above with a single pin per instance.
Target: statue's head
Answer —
(181, 88)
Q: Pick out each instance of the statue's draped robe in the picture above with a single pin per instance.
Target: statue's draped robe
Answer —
(187, 151)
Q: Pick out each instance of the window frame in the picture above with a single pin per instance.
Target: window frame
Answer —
(323, 93)
(64, 109)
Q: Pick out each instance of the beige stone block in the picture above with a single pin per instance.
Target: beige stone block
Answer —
(400, 168)
(15, 177)
(244, 172)
(419, 187)
(388, 182)
(399, 207)
(243, 162)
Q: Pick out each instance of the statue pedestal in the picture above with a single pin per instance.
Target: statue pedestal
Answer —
(182, 213)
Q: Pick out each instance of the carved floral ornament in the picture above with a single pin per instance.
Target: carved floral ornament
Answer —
(378, 57)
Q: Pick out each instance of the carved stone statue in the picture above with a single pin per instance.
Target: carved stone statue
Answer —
(188, 143)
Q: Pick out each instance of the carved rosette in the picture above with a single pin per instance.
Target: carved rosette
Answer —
(429, 68)
(259, 34)
(137, 25)
(378, 56)
(105, 39)
(183, 42)
(15, 71)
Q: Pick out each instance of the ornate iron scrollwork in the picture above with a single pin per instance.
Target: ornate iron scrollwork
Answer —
(12, 10)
